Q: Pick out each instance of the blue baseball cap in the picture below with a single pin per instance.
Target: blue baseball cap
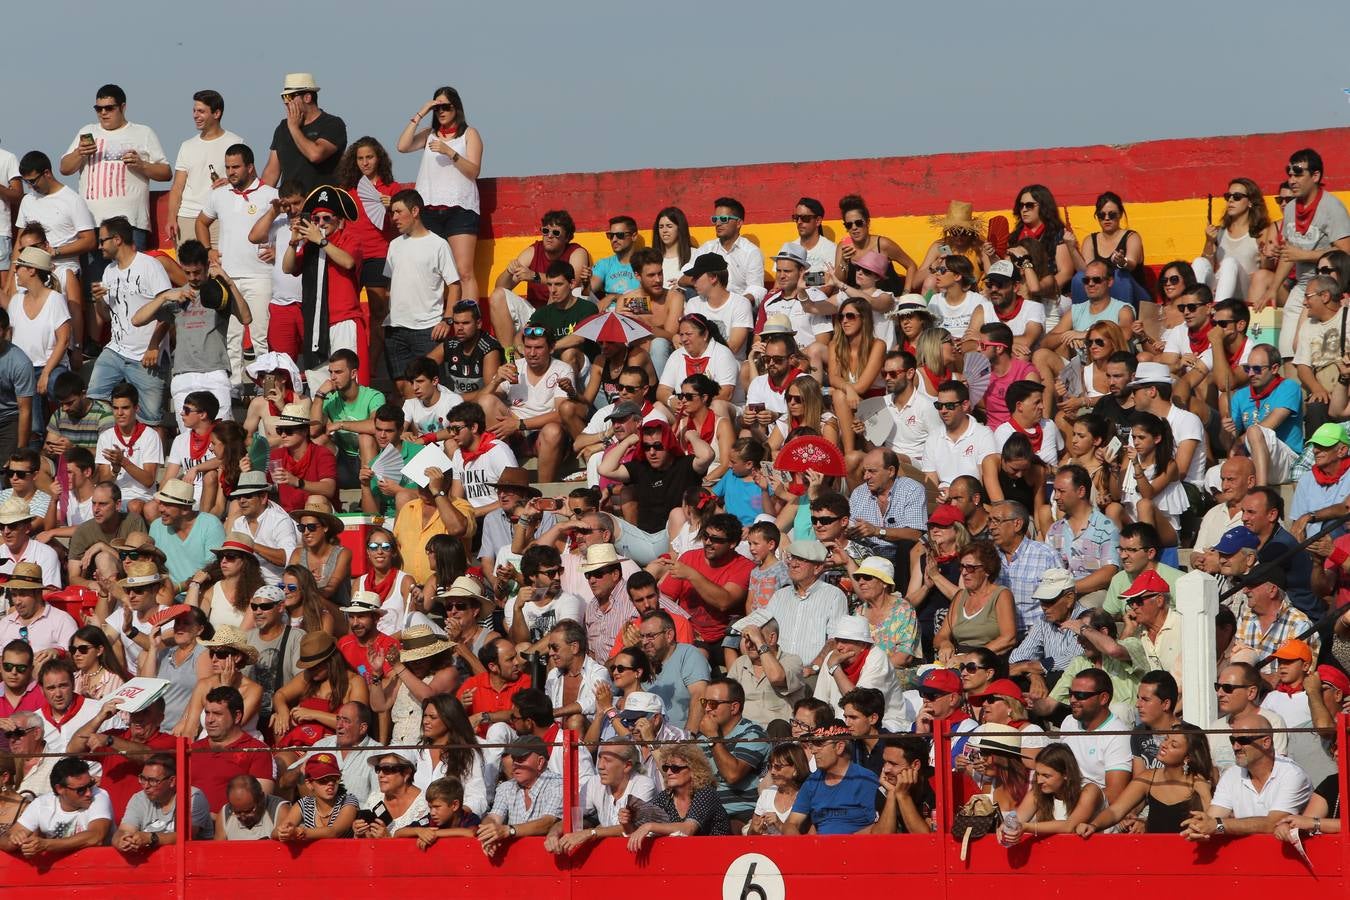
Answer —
(1235, 539)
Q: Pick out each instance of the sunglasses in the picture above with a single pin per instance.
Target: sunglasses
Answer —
(722, 220)
(261, 607)
(620, 668)
(937, 269)
(688, 395)
(1326, 270)
(1224, 323)
(17, 734)
(1094, 279)
(630, 388)
(1027, 204)
(996, 282)
(710, 538)
(465, 306)
(618, 235)
(1169, 279)
(81, 649)
(443, 107)
(1223, 688)
(232, 557)
(104, 107)
(1083, 695)
(16, 667)
(849, 316)
(794, 398)
(535, 331)
(601, 573)
(970, 668)
(1189, 307)
(1234, 196)
(650, 448)
(1097, 342)
(291, 588)
(971, 567)
(86, 788)
(1254, 370)
(1291, 171)
(801, 218)
(372, 546)
(18, 473)
(932, 693)
(851, 224)
(551, 572)
(188, 410)
(309, 526)
(551, 232)
(672, 768)
(461, 607)
(221, 652)
(389, 769)
(861, 577)
(824, 520)
(946, 404)
(1243, 741)
(1107, 215)
(323, 218)
(292, 429)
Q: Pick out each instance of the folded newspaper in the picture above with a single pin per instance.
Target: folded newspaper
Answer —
(138, 693)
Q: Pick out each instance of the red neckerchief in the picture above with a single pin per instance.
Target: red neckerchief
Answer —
(1200, 338)
(694, 366)
(1303, 213)
(288, 398)
(934, 379)
(1237, 354)
(1257, 398)
(1290, 689)
(853, 668)
(947, 558)
(1019, 724)
(246, 191)
(450, 132)
(647, 408)
(1326, 480)
(705, 431)
(136, 433)
(486, 441)
(298, 467)
(792, 375)
(907, 346)
(383, 588)
(198, 448)
(1013, 309)
(1035, 435)
(75, 705)
(551, 736)
(1033, 232)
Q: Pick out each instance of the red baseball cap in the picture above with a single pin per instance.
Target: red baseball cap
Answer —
(946, 515)
(1334, 677)
(944, 680)
(1000, 687)
(321, 765)
(1148, 582)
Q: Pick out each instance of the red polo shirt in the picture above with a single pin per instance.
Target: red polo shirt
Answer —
(212, 771)
(357, 655)
(32, 701)
(120, 772)
(710, 624)
(487, 699)
(322, 464)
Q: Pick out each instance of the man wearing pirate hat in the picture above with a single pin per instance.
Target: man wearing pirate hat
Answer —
(327, 257)
(200, 311)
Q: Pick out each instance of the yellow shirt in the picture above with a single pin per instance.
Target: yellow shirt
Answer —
(412, 537)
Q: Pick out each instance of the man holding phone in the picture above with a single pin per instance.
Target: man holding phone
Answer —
(808, 309)
(766, 398)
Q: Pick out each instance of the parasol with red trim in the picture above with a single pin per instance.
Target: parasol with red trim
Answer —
(613, 328)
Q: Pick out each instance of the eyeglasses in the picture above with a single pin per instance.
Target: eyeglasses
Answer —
(798, 217)
(105, 239)
(673, 769)
(971, 567)
(1189, 307)
(1291, 171)
(819, 521)
(221, 652)
(309, 526)
(1254, 370)
(851, 224)
(15, 667)
(794, 398)
(104, 107)
(551, 232)
(946, 404)
(1094, 279)
(618, 235)
(81, 649)
(849, 316)
(1234, 196)
(1169, 279)
(722, 220)
(261, 607)
(372, 546)
(1083, 695)
(86, 788)
(1027, 204)
(1107, 215)
(650, 448)
(151, 781)
(1224, 688)
(551, 571)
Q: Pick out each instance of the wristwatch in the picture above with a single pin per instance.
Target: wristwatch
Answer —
(511, 830)
(1219, 826)
(323, 243)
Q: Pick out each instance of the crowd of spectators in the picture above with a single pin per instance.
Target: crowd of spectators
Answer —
(754, 540)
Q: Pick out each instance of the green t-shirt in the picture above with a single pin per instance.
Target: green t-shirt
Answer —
(559, 321)
(337, 409)
(408, 449)
(1121, 581)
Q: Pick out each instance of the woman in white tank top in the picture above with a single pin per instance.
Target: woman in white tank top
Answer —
(1232, 251)
(41, 322)
(447, 178)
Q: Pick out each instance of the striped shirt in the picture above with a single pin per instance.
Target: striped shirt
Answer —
(84, 431)
(805, 620)
(907, 507)
(1289, 623)
(1022, 573)
(545, 796)
(1053, 646)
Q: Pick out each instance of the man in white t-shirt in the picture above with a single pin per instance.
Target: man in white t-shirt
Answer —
(132, 356)
(76, 814)
(71, 233)
(1105, 760)
(766, 398)
(1152, 386)
(808, 309)
(538, 392)
(913, 416)
(427, 411)
(423, 287)
(963, 446)
(1024, 318)
(731, 313)
(1026, 408)
(809, 215)
(285, 324)
(11, 195)
(199, 167)
(237, 206)
(116, 161)
(130, 452)
(479, 458)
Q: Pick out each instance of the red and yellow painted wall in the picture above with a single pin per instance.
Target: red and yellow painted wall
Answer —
(1163, 183)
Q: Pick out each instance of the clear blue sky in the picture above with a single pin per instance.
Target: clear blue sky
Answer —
(585, 86)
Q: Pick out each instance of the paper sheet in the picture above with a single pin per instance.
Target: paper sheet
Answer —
(429, 457)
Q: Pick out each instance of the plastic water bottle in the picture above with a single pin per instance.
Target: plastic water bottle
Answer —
(1011, 832)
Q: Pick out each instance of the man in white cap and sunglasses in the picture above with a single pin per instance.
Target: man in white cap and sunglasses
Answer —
(274, 533)
(308, 143)
(1152, 387)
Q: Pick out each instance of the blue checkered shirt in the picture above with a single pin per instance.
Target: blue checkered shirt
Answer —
(1022, 574)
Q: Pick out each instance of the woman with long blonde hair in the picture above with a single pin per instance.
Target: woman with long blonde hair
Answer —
(806, 408)
(935, 354)
(855, 364)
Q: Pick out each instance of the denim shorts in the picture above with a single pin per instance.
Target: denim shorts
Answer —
(444, 221)
(111, 369)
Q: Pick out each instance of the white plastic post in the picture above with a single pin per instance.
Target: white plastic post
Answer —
(1198, 604)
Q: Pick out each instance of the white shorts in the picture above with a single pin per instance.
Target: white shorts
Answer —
(1282, 458)
(341, 336)
(215, 383)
